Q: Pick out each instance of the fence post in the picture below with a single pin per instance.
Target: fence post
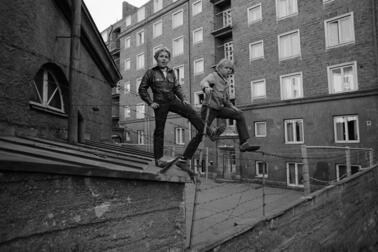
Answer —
(306, 171)
(207, 164)
(371, 158)
(348, 164)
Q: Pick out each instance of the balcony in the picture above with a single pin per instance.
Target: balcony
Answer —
(220, 2)
(222, 24)
(114, 46)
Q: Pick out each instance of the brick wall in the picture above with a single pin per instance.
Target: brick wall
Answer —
(42, 212)
(343, 217)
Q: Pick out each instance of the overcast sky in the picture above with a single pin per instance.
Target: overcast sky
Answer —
(105, 13)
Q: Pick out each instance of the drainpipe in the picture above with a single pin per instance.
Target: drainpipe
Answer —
(374, 14)
(190, 64)
(73, 74)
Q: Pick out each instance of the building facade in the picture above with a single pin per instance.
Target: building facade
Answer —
(305, 74)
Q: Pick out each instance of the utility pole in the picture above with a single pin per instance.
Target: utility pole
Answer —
(74, 75)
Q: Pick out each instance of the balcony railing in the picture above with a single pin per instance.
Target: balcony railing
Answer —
(114, 45)
(222, 23)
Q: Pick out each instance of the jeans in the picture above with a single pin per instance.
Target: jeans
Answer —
(228, 113)
(186, 111)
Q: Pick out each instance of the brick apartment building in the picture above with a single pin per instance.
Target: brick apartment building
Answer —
(305, 73)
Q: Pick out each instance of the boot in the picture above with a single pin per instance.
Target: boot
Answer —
(247, 147)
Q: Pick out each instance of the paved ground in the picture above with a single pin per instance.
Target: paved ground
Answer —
(225, 208)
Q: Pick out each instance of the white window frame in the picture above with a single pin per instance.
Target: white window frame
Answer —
(140, 110)
(250, 22)
(180, 22)
(158, 5)
(45, 98)
(195, 5)
(175, 51)
(128, 21)
(179, 136)
(140, 137)
(338, 18)
(300, 85)
(127, 64)
(250, 50)
(289, 15)
(265, 167)
(140, 38)
(297, 182)
(330, 79)
(294, 121)
(155, 33)
(200, 60)
(197, 99)
(126, 87)
(180, 79)
(141, 14)
(139, 65)
(127, 42)
(127, 112)
(327, 1)
(281, 58)
(127, 136)
(337, 167)
(228, 49)
(194, 35)
(255, 126)
(345, 119)
(254, 98)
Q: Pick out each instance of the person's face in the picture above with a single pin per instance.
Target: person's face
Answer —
(225, 70)
(162, 59)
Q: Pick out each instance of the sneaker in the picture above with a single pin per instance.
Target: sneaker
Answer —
(160, 163)
(214, 134)
(247, 147)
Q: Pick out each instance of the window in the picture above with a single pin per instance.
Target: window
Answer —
(261, 169)
(254, 14)
(258, 89)
(140, 136)
(327, 1)
(179, 136)
(137, 84)
(140, 61)
(157, 29)
(260, 129)
(346, 129)
(141, 14)
(197, 35)
(342, 78)
(179, 72)
(127, 64)
(291, 86)
(158, 5)
(256, 50)
(294, 174)
(47, 92)
(286, 8)
(140, 38)
(198, 98)
(127, 42)
(229, 51)
(126, 89)
(127, 136)
(341, 171)
(197, 7)
(140, 110)
(199, 66)
(177, 19)
(231, 90)
(126, 112)
(178, 46)
(294, 131)
(128, 21)
(289, 45)
(154, 50)
(339, 31)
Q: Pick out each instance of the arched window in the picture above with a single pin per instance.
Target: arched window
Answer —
(46, 91)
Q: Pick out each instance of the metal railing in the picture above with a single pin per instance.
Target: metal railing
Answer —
(223, 19)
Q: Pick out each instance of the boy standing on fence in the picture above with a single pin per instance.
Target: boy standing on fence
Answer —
(168, 97)
(217, 87)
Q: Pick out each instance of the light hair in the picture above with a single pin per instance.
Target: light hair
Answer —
(225, 62)
(157, 53)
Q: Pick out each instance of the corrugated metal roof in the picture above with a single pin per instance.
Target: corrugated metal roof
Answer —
(89, 159)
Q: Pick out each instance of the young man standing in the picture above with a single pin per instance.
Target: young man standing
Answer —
(216, 85)
(168, 97)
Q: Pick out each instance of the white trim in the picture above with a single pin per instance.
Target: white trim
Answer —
(260, 122)
(250, 51)
(355, 75)
(286, 121)
(296, 174)
(258, 174)
(299, 42)
(127, 39)
(175, 13)
(196, 30)
(183, 46)
(144, 63)
(194, 66)
(194, 14)
(288, 16)
(357, 128)
(301, 85)
(337, 18)
(138, 43)
(177, 67)
(248, 16)
(253, 98)
(154, 30)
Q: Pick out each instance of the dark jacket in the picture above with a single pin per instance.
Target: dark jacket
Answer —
(164, 89)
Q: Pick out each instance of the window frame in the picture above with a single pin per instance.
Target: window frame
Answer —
(280, 57)
(141, 14)
(140, 38)
(178, 77)
(257, 172)
(250, 50)
(127, 64)
(193, 7)
(193, 34)
(260, 122)
(157, 7)
(174, 26)
(127, 42)
(286, 121)
(140, 137)
(300, 74)
(287, 16)
(345, 118)
(254, 98)
(154, 35)
(140, 114)
(137, 67)
(328, 47)
(249, 21)
(297, 182)
(127, 112)
(179, 136)
(342, 65)
(194, 66)
(174, 51)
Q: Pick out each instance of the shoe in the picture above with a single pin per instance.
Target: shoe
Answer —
(247, 147)
(214, 134)
(183, 164)
(160, 163)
